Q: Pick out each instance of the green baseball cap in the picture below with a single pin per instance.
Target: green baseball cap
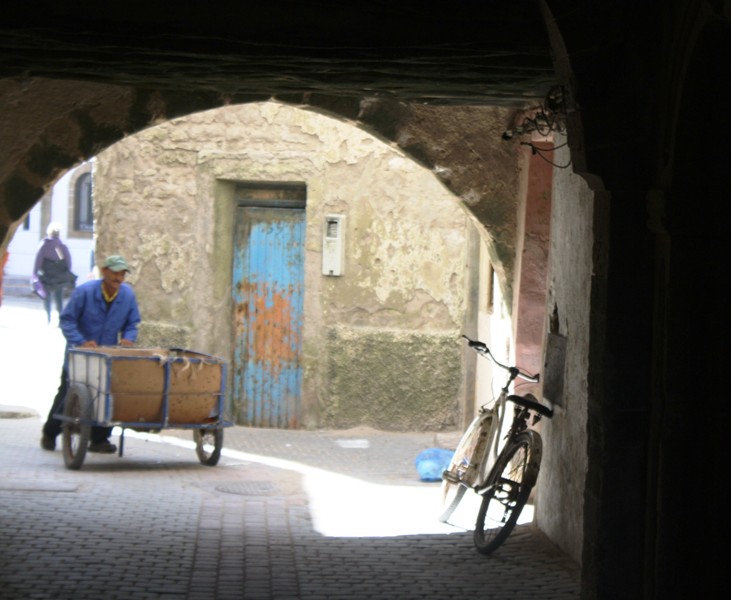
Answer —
(116, 263)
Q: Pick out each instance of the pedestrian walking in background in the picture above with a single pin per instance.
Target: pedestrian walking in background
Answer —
(101, 312)
(53, 269)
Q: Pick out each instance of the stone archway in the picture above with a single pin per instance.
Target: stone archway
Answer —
(168, 199)
(621, 61)
(461, 145)
(453, 131)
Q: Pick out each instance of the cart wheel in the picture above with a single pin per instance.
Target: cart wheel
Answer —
(76, 433)
(208, 444)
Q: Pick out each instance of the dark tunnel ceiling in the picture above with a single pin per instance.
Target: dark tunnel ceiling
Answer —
(489, 52)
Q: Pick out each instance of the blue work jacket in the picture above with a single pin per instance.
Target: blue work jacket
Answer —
(86, 316)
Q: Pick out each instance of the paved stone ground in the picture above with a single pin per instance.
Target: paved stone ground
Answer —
(156, 524)
(284, 515)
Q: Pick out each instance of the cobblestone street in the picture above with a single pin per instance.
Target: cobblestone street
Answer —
(284, 515)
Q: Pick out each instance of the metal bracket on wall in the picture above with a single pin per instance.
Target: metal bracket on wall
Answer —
(554, 367)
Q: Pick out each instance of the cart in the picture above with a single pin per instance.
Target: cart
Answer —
(143, 389)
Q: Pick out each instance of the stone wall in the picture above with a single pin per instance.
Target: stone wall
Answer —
(560, 510)
(390, 378)
(165, 198)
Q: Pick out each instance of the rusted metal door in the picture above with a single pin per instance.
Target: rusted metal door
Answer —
(268, 290)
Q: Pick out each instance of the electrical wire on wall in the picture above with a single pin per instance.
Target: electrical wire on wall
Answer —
(539, 152)
(547, 118)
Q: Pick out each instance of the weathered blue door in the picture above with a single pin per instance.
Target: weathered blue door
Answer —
(268, 291)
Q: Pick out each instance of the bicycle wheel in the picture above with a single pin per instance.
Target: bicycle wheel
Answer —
(458, 475)
(75, 434)
(208, 444)
(506, 490)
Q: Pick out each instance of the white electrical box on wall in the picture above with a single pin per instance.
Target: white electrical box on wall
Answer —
(333, 245)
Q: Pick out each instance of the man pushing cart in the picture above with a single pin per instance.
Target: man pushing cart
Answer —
(101, 312)
(106, 382)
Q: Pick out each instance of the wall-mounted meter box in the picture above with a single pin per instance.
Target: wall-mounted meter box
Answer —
(333, 245)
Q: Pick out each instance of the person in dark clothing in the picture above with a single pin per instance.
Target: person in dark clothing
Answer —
(53, 268)
(101, 312)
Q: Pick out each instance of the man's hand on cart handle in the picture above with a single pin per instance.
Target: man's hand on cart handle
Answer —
(93, 344)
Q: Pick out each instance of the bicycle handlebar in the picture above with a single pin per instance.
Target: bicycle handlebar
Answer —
(481, 348)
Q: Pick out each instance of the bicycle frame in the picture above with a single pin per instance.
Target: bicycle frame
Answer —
(477, 461)
(480, 451)
(519, 424)
(501, 475)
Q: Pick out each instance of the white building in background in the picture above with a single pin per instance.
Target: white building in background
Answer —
(69, 203)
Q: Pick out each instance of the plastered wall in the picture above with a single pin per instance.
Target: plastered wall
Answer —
(560, 508)
(165, 198)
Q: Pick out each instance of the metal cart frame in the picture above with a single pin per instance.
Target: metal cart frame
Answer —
(143, 389)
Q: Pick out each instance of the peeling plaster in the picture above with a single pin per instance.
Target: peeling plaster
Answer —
(405, 262)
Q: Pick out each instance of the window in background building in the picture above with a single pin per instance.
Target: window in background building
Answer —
(83, 204)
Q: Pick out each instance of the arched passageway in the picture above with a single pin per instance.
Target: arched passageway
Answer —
(625, 65)
(368, 253)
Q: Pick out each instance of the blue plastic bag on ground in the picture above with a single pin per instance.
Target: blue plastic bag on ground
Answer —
(430, 463)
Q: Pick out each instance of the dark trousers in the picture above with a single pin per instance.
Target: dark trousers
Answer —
(52, 426)
(55, 293)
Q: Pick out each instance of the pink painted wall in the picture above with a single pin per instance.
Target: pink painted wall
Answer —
(532, 284)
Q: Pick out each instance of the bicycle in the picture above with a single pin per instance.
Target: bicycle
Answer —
(503, 479)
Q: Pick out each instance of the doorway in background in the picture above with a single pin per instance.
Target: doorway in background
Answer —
(268, 294)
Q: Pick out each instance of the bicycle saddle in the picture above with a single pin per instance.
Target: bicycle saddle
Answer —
(531, 402)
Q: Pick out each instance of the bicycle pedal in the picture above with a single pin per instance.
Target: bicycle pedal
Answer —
(450, 477)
